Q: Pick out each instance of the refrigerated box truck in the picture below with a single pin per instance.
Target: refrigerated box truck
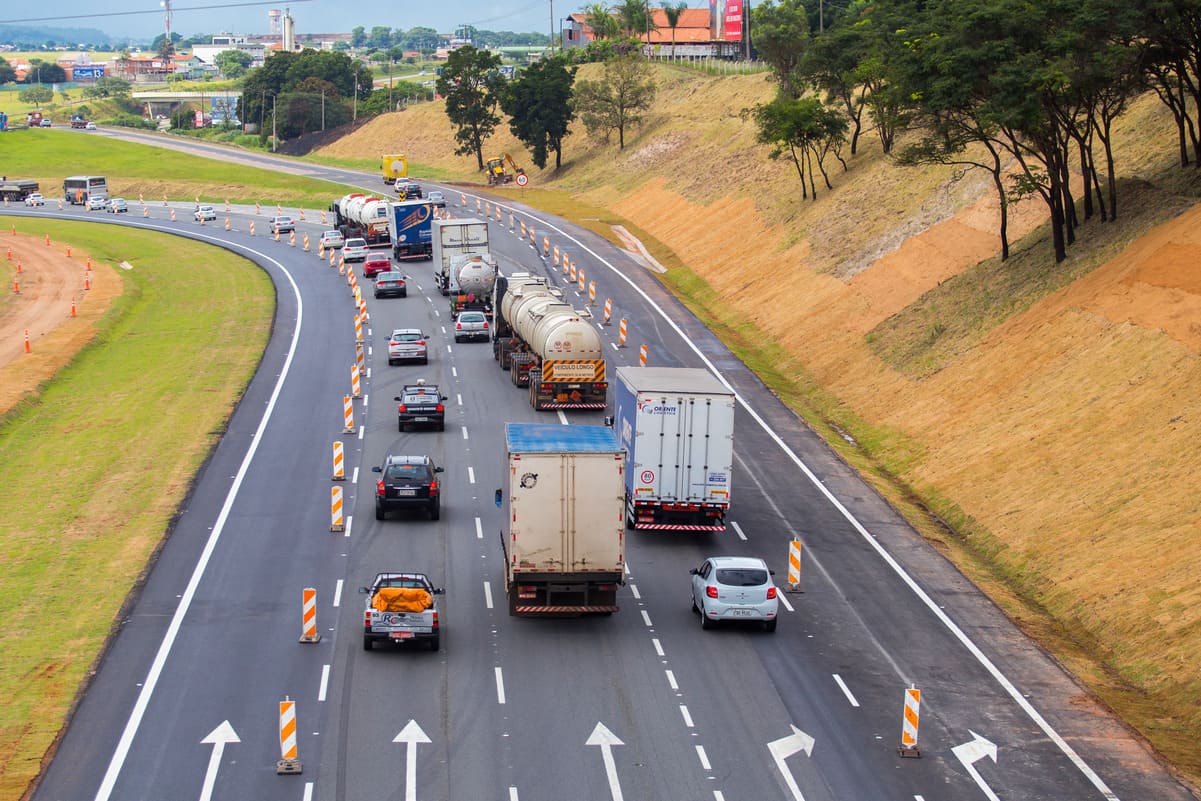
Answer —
(676, 425)
(563, 503)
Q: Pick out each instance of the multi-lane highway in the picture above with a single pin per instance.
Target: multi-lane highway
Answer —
(639, 705)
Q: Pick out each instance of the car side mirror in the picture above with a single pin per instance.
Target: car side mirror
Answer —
(439, 469)
(499, 495)
(445, 398)
(396, 398)
(377, 469)
(771, 572)
(439, 591)
(364, 590)
(694, 572)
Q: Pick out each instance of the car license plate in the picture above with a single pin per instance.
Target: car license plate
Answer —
(401, 635)
(741, 612)
(421, 419)
(406, 493)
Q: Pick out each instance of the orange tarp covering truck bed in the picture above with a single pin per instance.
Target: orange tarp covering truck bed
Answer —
(402, 599)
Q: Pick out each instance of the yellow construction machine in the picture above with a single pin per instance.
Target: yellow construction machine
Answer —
(502, 170)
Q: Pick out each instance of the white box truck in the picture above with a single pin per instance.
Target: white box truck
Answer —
(450, 238)
(676, 425)
(563, 503)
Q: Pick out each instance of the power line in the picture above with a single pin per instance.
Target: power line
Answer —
(149, 11)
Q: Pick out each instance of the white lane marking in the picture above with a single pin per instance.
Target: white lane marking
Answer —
(338, 594)
(366, 398)
(513, 794)
(479, 529)
(449, 349)
(500, 686)
(738, 530)
(459, 398)
(369, 372)
(784, 600)
(470, 475)
(614, 346)
(324, 682)
(658, 646)
(488, 594)
(845, 689)
(634, 590)
(464, 432)
(443, 329)
(718, 796)
(362, 431)
(354, 476)
(646, 618)
(703, 757)
(308, 791)
(105, 790)
(436, 314)
(671, 680)
(454, 372)
(687, 716)
(349, 523)
(562, 417)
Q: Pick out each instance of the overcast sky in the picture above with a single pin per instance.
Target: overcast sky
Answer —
(314, 16)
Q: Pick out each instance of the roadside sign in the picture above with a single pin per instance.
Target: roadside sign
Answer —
(522, 179)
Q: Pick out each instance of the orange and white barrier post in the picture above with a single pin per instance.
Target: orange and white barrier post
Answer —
(356, 385)
(60, 204)
(498, 213)
(533, 241)
(794, 565)
(292, 239)
(172, 215)
(308, 616)
(288, 760)
(277, 235)
(164, 198)
(488, 209)
(477, 204)
(324, 221)
(301, 214)
(335, 509)
(333, 257)
(141, 198)
(360, 356)
(306, 243)
(348, 414)
(257, 209)
(556, 255)
(574, 274)
(320, 249)
(27, 340)
(339, 461)
(608, 310)
(226, 223)
(642, 356)
(913, 703)
(591, 293)
(279, 210)
(227, 205)
(580, 286)
(145, 211)
(523, 229)
(621, 333)
(252, 227)
(545, 246)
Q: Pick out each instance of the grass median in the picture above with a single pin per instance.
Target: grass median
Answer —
(95, 464)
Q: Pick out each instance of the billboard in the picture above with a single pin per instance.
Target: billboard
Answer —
(732, 21)
(85, 72)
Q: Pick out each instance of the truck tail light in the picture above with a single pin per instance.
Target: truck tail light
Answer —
(771, 593)
(379, 487)
(711, 592)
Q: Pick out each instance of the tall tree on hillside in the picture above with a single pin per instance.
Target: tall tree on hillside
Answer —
(358, 36)
(601, 22)
(471, 83)
(782, 37)
(806, 131)
(233, 63)
(44, 72)
(539, 103)
(673, 14)
(7, 73)
(618, 100)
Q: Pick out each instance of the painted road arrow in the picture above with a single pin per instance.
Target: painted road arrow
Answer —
(606, 740)
(411, 734)
(217, 738)
(973, 751)
(787, 746)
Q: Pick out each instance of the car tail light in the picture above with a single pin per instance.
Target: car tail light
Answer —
(434, 487)
(485, 325)
(435, 621)
(458, 326)
(440, 408)
(402, 408)
(421, 342)
(771, 593)
(379, 487)
(367, 619)
(711, 592)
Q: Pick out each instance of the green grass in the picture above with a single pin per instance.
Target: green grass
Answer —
(95, 465)
(134, 169)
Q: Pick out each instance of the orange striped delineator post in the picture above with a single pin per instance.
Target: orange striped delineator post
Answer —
(301, 214)
(27, 340)
(306, 243)
(277, 235)
(172, 215)
(308, 616)
(545, 246)
(608, 310)
(581, 283)
(323, 219)
(566, 260)
(642, 356)
(356, 386)
(320, 249)
(145, 211)
(288, 760)
(591, 293)
(333, 257)
(913, 702)
(477, 204)
(226, 223)
(257, 209)
(279, 210)
(339, 461)
(574, 274)
(60, 204)
(292, 239)
(523, 229)
(498, 214)
(359, 356)
(348, 414)
(335, 509)
(556, 255)
(794, 565)
(227, 205)
(252, 227)
(533, 241)
(621, 333)
(488, 209)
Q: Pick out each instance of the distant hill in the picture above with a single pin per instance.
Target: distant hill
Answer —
(28, 37)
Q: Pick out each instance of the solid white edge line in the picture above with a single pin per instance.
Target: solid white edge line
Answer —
(500, 686)
(488, 595)
(479, 529)
(324, 682)
(1010, 689)
(738, 530)
(684, 713)
(338, 594)
(845, 689)
(185, 600)
(784, 600)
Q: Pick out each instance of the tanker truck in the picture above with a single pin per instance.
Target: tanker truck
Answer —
(470, 282)
(521, 285)
(366, 216)
(450, 238)
(555, 352)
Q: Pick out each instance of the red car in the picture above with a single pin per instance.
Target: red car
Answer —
(376, 263)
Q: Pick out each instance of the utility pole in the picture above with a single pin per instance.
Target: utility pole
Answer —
(272, 123)
(355, 113)
(322, 109)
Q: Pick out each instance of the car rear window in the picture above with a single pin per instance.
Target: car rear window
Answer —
(406, 338)
(356, 243)
(420, 398)
(406, 471)
(741, 576)
(472, 317)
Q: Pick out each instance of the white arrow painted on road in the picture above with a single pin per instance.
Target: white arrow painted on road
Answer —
(411, 734)
(973, 751)
(785, 747)
(606, 740)
(217, 738)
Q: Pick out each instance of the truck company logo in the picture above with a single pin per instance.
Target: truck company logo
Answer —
(717, 478)
(415, 217)
(529, 480)
(650, 407)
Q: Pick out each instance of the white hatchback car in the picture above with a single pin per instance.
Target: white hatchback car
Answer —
(332, 240)
(96, 203)
(35, 199)
(733, 589)
(355, 250)
(203, 213)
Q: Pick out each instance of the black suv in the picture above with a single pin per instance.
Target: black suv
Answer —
(420, 404)
(407, 482)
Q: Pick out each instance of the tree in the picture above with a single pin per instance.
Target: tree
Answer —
(159, 44)
(358, 36)
(7, 73)
(634, 19)
(380, 37)
(233, 63)
(539, 103)
(806, 130)
(673, 14)
(471, 84)
(45, 72)
(601, 21)
(108, 87)
(36, 95)
(617, 101)
(782, 37)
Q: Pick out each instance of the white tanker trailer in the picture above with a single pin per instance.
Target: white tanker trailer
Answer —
(358, 215)
(555, 351)
(470, 281)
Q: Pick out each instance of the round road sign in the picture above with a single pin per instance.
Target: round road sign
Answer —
(522, 179)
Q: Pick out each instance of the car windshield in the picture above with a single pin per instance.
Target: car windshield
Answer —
(405, 471)
(741, 576)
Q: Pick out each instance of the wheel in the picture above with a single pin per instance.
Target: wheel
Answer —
(706, 623)
(435, 512)
(404, 294)
(693, 599)
(442, 426)
(426, 360)
(769, 625)
(435, 643)
(401, 426)
(458, 338)
(380, 514)
(391, 362)
(367, 643)
(630, 526)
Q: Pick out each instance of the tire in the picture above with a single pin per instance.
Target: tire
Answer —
(692, 598)
(435, 643)
(368, 643)
(380, 514)
(435, 512)
(404, 294)
(401, 427)
(442, 426)
(458, 338)
(426, 360)
(769, 625)
(706, 623)
(391, 362)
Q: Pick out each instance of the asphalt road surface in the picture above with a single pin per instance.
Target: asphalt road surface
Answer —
(640, 705)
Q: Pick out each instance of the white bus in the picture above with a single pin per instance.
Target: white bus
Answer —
(78, 188)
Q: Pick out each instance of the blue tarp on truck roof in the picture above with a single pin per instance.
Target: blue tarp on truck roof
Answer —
(551, 438)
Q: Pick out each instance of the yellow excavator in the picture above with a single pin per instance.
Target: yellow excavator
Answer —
(502, 170)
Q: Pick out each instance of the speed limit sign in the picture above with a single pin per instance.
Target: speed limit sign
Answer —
(522, 179)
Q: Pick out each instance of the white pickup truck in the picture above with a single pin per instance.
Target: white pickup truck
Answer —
(401, 607)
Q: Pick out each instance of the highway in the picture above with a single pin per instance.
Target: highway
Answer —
(640, 705)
